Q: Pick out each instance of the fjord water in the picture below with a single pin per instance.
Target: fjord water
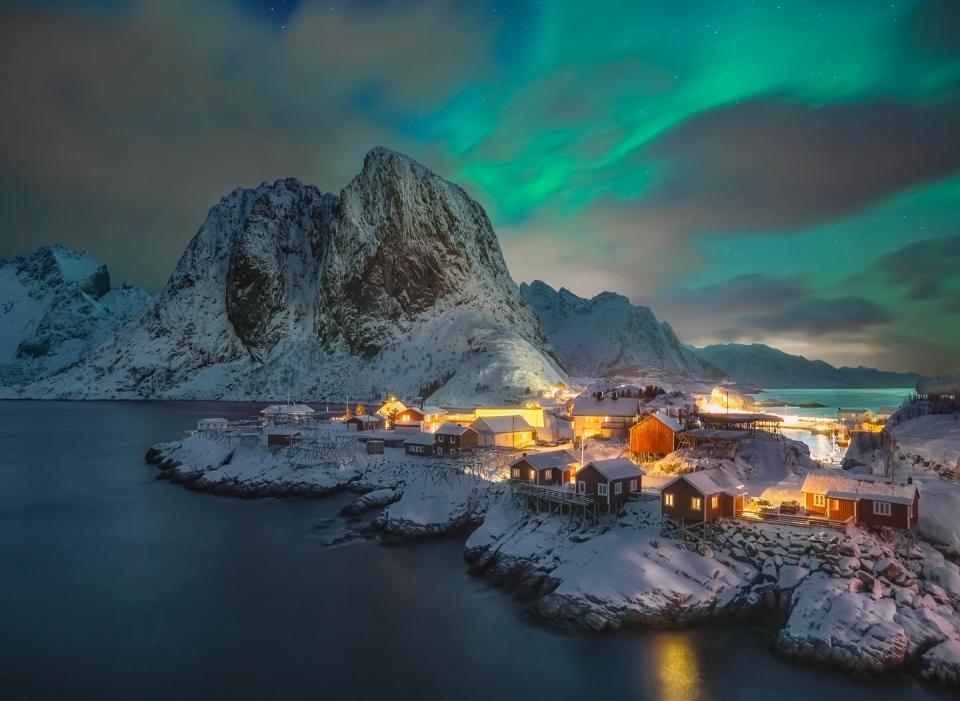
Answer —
(833, 399)
(115, 585)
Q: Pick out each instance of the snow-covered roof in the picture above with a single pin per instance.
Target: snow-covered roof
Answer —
(420, 439)
(286, 409)
(367, 419)
(391, 406)
(218, 421)
(670, 422)
(551, 459)
(501, 424)
(853, 489)
(712, 481)
(616, 468)
(448, 428)
(591, 406)
(431, 410)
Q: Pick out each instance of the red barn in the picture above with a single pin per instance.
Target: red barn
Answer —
(869, 503)
(610, 481)
(655, 434)
(551, 467)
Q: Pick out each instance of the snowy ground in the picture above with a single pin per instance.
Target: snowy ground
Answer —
(849, 600)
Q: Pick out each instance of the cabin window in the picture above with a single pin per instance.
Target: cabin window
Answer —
(533, 474)
(633, 485)
(516, 473)
(618, 488)
(696, 503)
(440, 439)
(581, 487)
(548, 474)
(819, 500)
(668, 499)
(714, 501)
(882, 508)
(602, 490)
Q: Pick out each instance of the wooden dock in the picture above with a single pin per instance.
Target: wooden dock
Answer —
(795, 520)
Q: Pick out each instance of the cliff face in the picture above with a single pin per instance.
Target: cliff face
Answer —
(607, 336)
(397, 284)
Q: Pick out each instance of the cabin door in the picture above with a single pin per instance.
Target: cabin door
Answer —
(833, 507)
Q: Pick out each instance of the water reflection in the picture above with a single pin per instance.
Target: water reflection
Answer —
(677, 667)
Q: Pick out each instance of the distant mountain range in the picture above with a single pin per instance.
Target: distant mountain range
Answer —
(397, 284)
(607, 336)
(763, 366)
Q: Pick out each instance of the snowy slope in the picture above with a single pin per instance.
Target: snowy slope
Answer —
(763, 366)
(55, 306)
(608, 337)
(396, 285)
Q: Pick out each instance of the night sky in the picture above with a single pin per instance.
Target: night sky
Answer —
(785, 172)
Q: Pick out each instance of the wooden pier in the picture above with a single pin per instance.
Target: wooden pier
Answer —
(554, 500)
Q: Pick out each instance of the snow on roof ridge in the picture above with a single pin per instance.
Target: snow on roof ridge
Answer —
(856, 489)
(616, 468)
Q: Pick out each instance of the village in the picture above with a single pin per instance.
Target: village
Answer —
(632, 506)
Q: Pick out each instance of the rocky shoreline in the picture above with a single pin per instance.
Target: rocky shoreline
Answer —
(848, 601)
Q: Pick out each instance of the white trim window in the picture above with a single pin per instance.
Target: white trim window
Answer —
(714, 501)
(440, 439)
(618, 487)
(548, 474)
(633, 485)
(882, 508)
(696, 503)
(516, 473)
(581, 487)
(602, 490)
(668, 499)
(819, 499)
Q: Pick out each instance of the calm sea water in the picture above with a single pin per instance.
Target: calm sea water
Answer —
(832, 399)
(114, 585)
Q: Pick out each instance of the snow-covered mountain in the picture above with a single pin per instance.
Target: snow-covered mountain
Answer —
(607, 336)
(397, 284)
(56, 305)
(763, 366)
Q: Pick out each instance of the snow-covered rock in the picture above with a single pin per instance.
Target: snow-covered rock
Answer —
(56, 305)
(607, 336)
(396, 284)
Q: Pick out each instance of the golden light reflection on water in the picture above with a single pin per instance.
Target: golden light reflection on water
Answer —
(677, 667)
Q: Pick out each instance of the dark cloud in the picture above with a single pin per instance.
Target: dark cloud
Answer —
(745, 293)
(928, 270)
(817, 316)
(773, 164)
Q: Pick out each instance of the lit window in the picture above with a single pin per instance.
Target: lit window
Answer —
(618, 487)
(633, 485)
(516, 472)
(696, 503)
(602, 490)
(548, 474)
(533, 474)
(882, 508)
(819, 500)
(714, 501)
(668, 499)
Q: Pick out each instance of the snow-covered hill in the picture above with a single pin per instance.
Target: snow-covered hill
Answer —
(763, 366)
(608, 337)
(396, 285)
(55, 306)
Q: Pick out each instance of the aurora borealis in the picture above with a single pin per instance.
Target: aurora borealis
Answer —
(783, 172)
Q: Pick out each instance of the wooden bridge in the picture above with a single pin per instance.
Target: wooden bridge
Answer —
(554, 499)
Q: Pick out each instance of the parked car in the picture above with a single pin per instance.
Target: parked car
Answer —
(790, 507)
(761, 505)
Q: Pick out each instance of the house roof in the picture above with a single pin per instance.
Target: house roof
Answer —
(855, 490)
(367, 419)
(287, 409)
(729, 434)
(739, 418)
(616, 468)
(713, 481)
(669, 421)
(591, 406)
(501, 424)
(432, 410)
(392, 405)
(215, 420)
(448, 428)
(420, 439)
(551, 459)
